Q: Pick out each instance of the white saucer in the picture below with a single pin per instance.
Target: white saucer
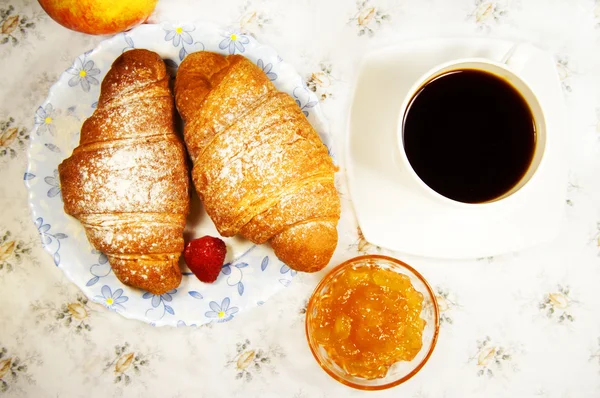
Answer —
(393, 214)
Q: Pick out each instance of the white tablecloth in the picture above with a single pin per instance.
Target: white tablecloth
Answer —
(518, 325)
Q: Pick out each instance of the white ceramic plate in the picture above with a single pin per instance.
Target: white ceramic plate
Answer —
(252, 273)
(395, 215)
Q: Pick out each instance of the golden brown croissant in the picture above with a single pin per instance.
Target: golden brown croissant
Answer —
(127, 181)
(259, 167)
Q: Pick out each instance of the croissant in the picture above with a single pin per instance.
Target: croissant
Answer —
(260, 169)
(127, 181)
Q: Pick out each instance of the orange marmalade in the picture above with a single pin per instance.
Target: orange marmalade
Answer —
(369, 319)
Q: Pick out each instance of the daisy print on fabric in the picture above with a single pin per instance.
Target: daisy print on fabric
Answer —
(485, 13)
(250, 361)
(368, 18)
(14, 26)
(73, 315)
(565, 72)
(491, 358)
(303, 308)
(572, 189)
(12, 138)
(321, 81)
(446, 304)
(12, 251)
(252, 20)
(557, 305)
(361, 245)
(15, 370)
(125, 364)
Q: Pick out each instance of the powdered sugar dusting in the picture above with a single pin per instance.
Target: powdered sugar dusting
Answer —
(259, 166)
(127, 181)
(137, 177)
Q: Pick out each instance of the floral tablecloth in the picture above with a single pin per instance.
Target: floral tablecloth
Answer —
(521, 325)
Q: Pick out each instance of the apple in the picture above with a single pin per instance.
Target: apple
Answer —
(99, 17)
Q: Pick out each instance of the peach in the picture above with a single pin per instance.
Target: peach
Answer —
(99, 17)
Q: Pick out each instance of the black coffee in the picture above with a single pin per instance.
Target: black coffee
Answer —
(469, 135)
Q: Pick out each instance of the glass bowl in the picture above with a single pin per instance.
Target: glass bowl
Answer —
(400, 371)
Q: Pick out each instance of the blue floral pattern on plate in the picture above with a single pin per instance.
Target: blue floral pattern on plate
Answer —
(50, 241)
(181, 35)
(285, 269)
(129, 42)
(44, 119)
(221, 312)
(234, 41)
(112, 300)
(54, 183)
(268, 69)
(235, 275)
(158, 302)
(83, 73)
(251, 275)
(100, 269)
(304, 99)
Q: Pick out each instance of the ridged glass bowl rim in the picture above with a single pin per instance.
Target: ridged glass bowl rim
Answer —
(327, 278)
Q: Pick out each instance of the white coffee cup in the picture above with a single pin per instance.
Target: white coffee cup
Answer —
(507, 69)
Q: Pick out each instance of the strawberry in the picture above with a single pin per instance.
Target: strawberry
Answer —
(204, 257)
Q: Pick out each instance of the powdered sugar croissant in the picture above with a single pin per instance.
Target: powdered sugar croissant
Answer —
(127, 181)
(259, 167)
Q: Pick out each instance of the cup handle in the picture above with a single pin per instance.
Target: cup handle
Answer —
(517, 56)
